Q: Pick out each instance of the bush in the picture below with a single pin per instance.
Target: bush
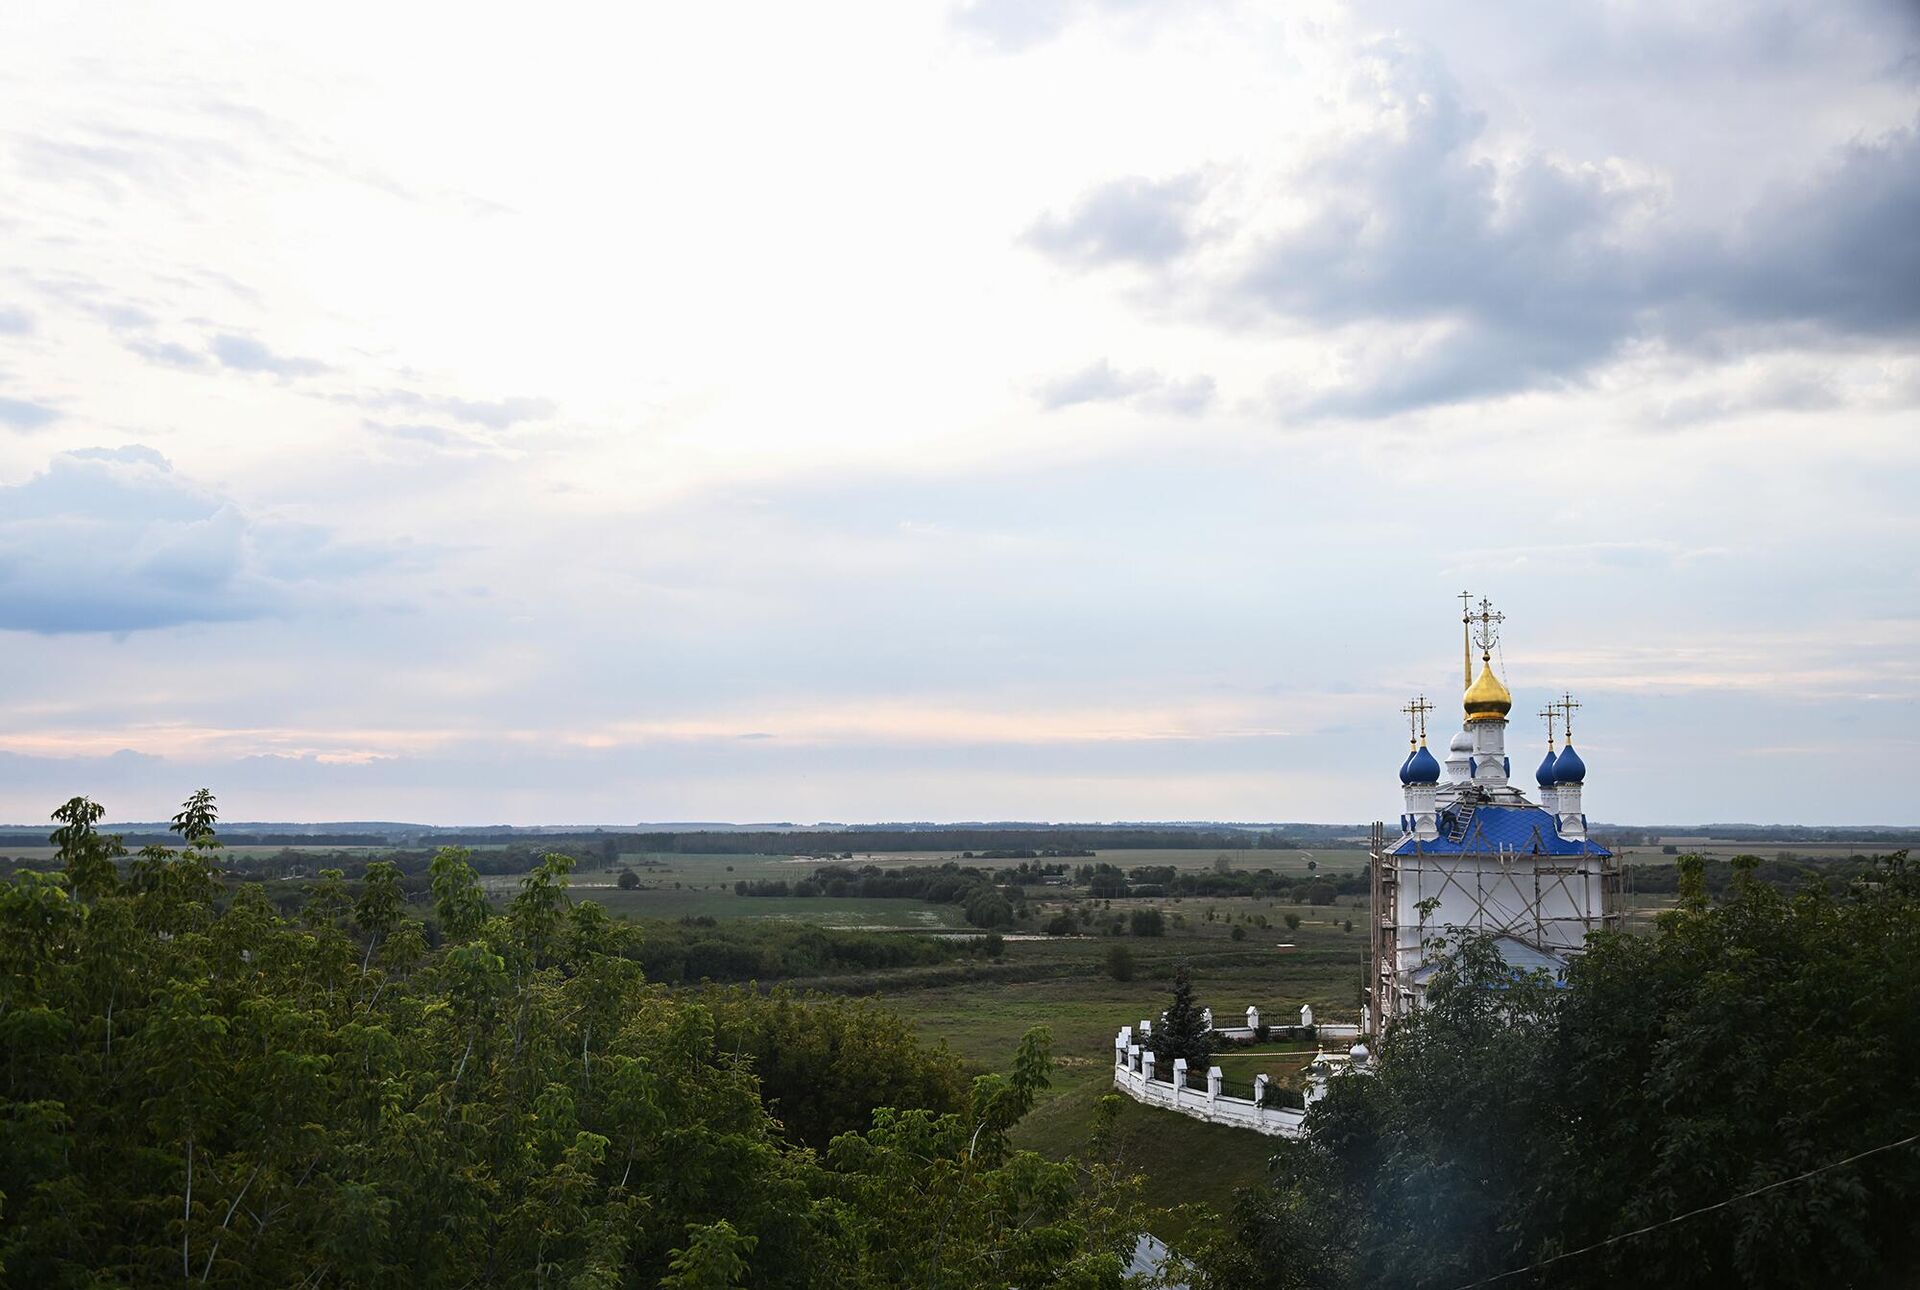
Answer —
(1147, 922)
(1240, 933)
(1293, 922)
(1120, 963)
(627, 880)
(1059, 925)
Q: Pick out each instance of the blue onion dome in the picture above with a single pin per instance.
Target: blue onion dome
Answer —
(1569, 769)
(1422, 768)
(1545, 775)
(1403, 767)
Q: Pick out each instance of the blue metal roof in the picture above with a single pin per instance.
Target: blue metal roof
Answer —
(1488, 827)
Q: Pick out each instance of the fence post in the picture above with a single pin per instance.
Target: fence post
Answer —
(1120, 1042)
(1206, 1017)
(1179, 1078)
(1133, 1057)
(1306, 1014)
(1260, 1096)
(1214, 1076)
(1146, 1062)
(1253, 1018)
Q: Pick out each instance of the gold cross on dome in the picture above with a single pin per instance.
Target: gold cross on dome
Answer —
(1567, 705)
(1552, 713)
(1417, 712)
(1486, 627)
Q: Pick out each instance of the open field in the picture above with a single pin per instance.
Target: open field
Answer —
(1183, 1161)
(681, 886)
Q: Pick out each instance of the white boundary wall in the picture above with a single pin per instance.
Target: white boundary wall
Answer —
(1280, 1121)
(1133, 1074)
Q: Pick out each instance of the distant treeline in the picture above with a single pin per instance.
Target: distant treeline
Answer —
(1836, 873)
(1771, 835)
(151, 836)
(974, 890)
(703, 949)
(1018, 843)
(1105, 881)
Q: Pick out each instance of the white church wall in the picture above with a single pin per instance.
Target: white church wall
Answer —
(1549, 901)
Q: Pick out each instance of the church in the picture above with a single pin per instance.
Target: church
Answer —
(1475, 854)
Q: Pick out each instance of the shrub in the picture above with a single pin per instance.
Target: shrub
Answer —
(1239, 933)
(1293, 922)
(627, 880)
(1147, 922)
(1120, 963)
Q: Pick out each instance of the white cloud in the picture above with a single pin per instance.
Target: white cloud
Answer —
(112, 540)
(1023, 369)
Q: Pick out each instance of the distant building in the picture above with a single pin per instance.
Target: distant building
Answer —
(1474, 853)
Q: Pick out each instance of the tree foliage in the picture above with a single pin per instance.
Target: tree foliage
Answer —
(1183, 1030)
(200, 1091)
(1741, 1045)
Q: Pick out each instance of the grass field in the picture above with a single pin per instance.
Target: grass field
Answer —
(1182, 1160)
(684, 886)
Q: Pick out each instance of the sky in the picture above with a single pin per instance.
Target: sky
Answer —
(1016, 409)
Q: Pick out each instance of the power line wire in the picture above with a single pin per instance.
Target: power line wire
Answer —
(1721, 1204)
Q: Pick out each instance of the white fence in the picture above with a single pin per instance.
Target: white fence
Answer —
(1135, 1074)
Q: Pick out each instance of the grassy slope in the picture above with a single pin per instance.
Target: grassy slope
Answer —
(1183, 1160)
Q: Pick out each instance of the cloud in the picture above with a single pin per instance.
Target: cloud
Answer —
(167, 352)
(24, 415)
(1014, 25)
(112, 540)
(1132, 220)
(1150, 390)
(15, 322)
(493, 414)
(245, 354)
(1448, 271)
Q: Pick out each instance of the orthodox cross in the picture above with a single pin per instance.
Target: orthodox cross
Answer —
(1417, 718)
(1566, 703)
(1486, 628)
(1552, 713)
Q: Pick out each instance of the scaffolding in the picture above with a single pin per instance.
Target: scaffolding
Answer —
(1541, 900)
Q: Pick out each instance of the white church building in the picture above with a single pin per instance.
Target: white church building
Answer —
(1475, 854)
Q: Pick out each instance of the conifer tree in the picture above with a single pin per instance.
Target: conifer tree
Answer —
(1183, 1031)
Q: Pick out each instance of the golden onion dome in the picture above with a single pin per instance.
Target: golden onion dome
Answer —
(1486, 699)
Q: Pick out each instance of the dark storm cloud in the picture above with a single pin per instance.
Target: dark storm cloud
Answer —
(1500, 278)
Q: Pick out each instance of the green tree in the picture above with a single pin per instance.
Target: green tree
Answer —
(202, 1091)
(85, 853)
(381, 906)
(458, 901)
(1741, 1045)
(1183, 1031)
